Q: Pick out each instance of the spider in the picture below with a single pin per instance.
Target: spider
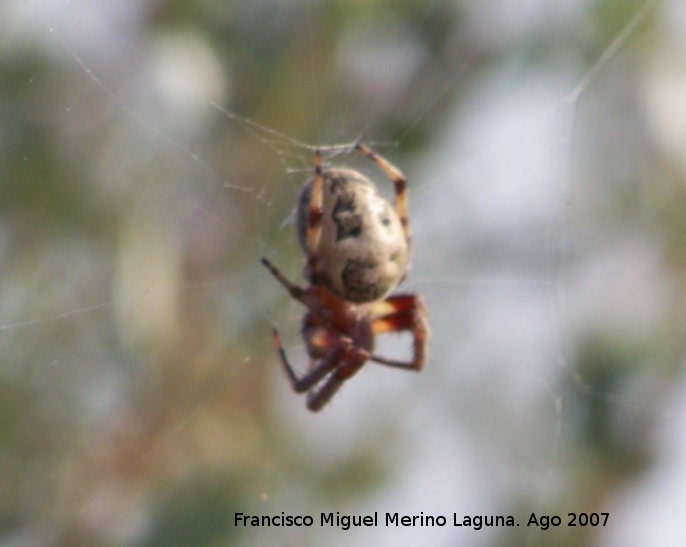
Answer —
(358, 250)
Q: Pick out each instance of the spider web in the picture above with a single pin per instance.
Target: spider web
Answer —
(142, 388)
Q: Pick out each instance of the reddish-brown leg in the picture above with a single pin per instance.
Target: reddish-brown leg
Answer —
(304, 296)
(343, 359)
(352, 362)
(398, 313)
(399, 183)
(314, 221)
(309, 380)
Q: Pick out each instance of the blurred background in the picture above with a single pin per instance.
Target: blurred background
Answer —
(151, 152)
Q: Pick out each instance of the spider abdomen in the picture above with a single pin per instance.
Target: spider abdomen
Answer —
(362, 253)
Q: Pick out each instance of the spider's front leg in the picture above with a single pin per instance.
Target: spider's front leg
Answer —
(343, 359)
(309, 380)
(304, 296)
(351, 362)
(398, 313)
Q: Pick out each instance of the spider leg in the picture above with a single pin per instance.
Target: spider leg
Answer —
(317, 399)
(314, 221)
(399, 183)
(344, 359)
(301, 385)
(301, 295)
(352, 361)
(398, 313)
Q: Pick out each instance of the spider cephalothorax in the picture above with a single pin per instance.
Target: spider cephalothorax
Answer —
(358, 250)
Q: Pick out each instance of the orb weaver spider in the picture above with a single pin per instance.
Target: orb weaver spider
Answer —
(358, 250)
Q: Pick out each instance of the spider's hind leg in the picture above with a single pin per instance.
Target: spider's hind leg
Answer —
(314, 218)
(399, 184)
